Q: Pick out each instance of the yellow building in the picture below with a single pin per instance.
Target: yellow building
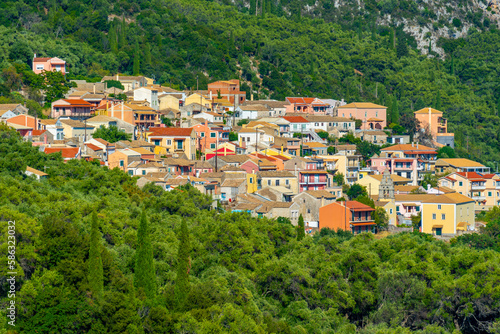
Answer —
(447, 214)
(279, 179)
(251, 183)
(167, 101)
(483, 188)
(390, 207)
(177, 141)
(348, 165)
(199, 99)
(372, 182)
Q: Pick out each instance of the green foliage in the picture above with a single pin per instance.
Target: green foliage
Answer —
(446, 152)
(233, 136)
(301, 232)
(339, 178)
(114, 83)
(167, 121)
(241, 122)
(95, 271)
(145, 273)
(111, 134)
(323, 134)
(299, 135)
(381, 218)
(330, 150)
(365, 199)
(356, 190)
(182, 284)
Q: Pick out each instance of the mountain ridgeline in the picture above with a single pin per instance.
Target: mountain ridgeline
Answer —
(285, 48)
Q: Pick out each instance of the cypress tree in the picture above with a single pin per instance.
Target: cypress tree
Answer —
(144, 275)
(113, 42)
(182, 286)
(147, 54)
(96, 280)
(137, 64)
(301, 232)
(430, 47)
(391, 39)
(438, 100)
(122, 37)
(395, 111)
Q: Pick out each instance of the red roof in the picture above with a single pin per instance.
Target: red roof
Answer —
(37, 132)
(42, 59)
(357, 206)
(488, 176)
(170, 132)
(67, 152)
(300, 100)
(296, 119)
(94, 147)
(77, 103)
(451, 179)
(472, 176)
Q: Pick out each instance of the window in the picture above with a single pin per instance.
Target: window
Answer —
(143, 172)
(433, 216)
(212, 134)
(287, 182)
(121, 163)
(390, 211)
(439, 206)
(460, 183)
(203, 135)
(277, 182)
(376, 114)
(179, 144)
(169, 142)
(489, 193)
(251, 180)
(157, 142)
(212, 146)
(39, 67)
(130, 172)
(443, 216)
(268, 182)
(417, 208)
(397, 209)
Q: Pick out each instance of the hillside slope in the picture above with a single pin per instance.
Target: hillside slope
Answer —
(180, 43)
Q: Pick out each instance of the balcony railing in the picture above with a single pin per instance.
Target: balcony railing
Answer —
(361, 220)
(477, 187)
(478, 197)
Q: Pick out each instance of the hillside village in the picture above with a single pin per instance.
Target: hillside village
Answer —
(294, 158)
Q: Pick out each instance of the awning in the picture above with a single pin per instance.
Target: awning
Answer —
(179, 138)
(437, 226)
(462, 226)
(362, 224)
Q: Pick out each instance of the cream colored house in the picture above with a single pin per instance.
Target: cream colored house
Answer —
(278, 179)
(167, 101)
(484, 189)
(76, 129)
(372, 182)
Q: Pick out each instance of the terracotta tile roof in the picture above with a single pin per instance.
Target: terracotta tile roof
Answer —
(67, 152)
(9, 106)
(238, 158)
(362, 105)
(426, 111)
(281, 173)
(394, 177)
(35, 171)
(142, 150)
(300, 100)
(170, 132)
(315, 144)
(76, 124)
(246, 206)
(458, 162)
(94, 147)
(357, 206)
(37, 132)
(320, 193)
(232, 182)
(295, 119)
(451, 198)
(229, 168)
(75, 103)
(473, 176)
(408, 147)
(268, 206)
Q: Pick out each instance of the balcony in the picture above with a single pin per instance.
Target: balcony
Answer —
(479, 197)
(361, 220)
(478, 187)
(352, 175)
(498, 186)
(353, 165)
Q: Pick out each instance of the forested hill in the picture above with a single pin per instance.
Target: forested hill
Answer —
(96, 254)
(274, 55)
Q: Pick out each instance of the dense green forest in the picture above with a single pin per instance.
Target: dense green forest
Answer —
(96, 254)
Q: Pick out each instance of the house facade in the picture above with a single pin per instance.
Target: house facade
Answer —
(174, 141)
(372, 115)
(71, 108)
(48, 64)
(348, 216)
(433, 120)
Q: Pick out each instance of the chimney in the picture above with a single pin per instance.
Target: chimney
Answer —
(94, 87)
(116, 76)
(251, 97)
(417, 145)
(412, 144)
(429, 187)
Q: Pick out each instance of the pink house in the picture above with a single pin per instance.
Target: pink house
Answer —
(312, 179)
(48, 64)
(374, 116)
(73, 107)
(405, 167)
(307, 105)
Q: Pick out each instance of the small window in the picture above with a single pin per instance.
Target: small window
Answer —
(418, 208)
(489, 193)
(212, 134)
(397, 209)
(122, 163)
(287, 182)
(277, 182)
(268, 182)
(39, 67)
(169, 142)
(157, 142)
(202, 134)
(143, 172)
(439, 206)
(212, 146)
(460, 183)
(251, 180)
(433, 216)
(390, 211)
(443, 216)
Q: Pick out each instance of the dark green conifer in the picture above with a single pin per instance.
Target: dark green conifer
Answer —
(145, 275)
(137, 63)
(96, 280)
(301, 232)
(182, 285)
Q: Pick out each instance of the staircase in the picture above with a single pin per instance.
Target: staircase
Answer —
(314, 137)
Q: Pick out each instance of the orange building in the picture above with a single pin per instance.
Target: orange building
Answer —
(207, 138)
(48, 64)
(25, 120)
(438, 126)
(228, 89)
(359, 217)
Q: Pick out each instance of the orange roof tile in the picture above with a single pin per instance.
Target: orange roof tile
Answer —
(170, 132)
